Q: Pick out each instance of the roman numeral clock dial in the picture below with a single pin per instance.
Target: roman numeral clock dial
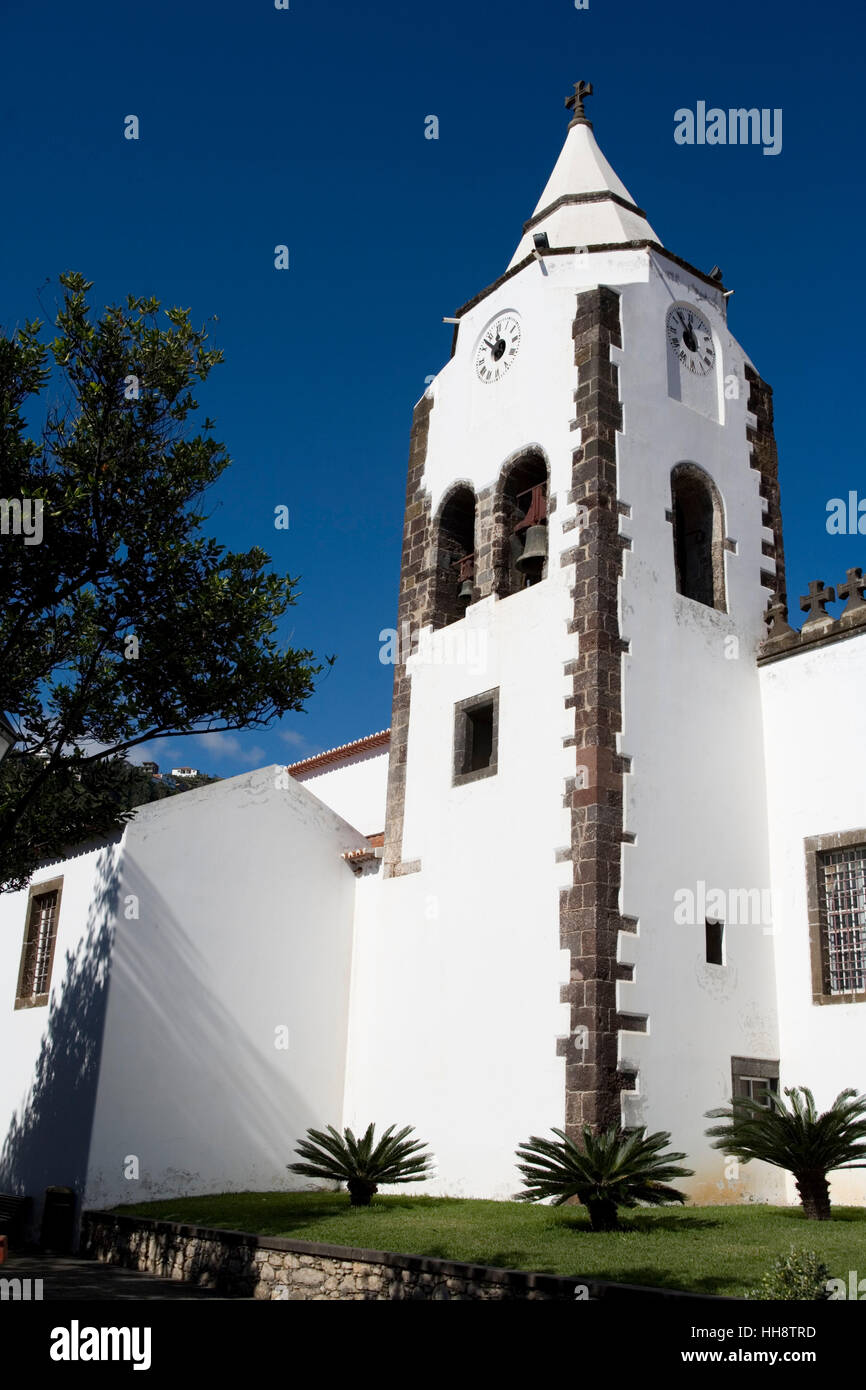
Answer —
(497, 348)
(691, 340)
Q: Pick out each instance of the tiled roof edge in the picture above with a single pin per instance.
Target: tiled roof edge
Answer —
(339, 755)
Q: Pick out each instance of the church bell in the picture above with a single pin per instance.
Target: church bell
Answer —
(466, 570)
(531, 561)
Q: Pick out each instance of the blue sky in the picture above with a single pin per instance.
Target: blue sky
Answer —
(305, 127)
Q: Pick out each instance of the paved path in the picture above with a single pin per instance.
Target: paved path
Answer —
(68, 1278)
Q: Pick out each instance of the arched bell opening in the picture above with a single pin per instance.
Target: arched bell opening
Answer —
(453, 587)
(521, 545)
(699, 536)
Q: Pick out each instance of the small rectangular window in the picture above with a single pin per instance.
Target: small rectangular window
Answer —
(759, 1087)
(753, 1078)
(479, 749)
(476, 736)
(715, 942)
(37, 952)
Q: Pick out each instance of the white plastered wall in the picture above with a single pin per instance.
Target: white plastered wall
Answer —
(51, 1053)
(355, 788)
(245, 928)
(815, 733)
(225, 916)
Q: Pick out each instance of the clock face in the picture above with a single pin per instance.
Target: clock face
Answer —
(691, 340)
(497, 347)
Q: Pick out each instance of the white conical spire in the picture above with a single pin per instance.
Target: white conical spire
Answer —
(583, 202)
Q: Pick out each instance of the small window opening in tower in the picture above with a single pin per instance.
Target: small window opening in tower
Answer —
(476, 737)
(479, 740)
(715, 933)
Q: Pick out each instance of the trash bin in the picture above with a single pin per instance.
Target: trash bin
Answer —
(58, 1221)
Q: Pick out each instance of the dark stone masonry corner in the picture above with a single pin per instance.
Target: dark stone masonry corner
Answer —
(265, 1267)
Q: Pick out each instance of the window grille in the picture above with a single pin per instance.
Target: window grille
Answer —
(842, 881)
(37, 954)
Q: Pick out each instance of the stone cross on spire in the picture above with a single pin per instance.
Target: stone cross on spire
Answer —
(575, 104)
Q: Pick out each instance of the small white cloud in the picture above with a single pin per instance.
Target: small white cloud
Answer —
(223, 745)
(292, 738)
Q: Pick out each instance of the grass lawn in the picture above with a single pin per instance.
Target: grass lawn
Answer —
(719, 1250)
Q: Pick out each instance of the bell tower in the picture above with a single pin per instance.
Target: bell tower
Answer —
(592, 532)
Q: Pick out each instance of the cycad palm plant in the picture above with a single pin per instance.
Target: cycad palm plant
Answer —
(361, 1164)
(802, 1141)
(612, 1169)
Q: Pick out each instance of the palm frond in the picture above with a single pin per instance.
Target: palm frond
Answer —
(344, 1157)
(794, 1137)
(612, 1166)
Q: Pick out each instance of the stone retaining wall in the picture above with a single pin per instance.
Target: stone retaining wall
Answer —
(266, 1267)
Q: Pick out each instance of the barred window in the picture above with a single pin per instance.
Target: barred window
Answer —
(37, 952)
(842, 897)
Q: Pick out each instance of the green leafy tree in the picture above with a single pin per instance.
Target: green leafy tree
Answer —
(612, 1169)
(803, 1142)
(360, 1163)
(123, 623)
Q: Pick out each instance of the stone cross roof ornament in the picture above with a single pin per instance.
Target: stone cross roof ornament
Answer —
(814, 603)
(820, 626)
(776, 619)
(575, 103)
(853, 590)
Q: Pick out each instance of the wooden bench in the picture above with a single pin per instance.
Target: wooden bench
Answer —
(13, 1215)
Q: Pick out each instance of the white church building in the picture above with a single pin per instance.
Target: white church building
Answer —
(609, 862)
